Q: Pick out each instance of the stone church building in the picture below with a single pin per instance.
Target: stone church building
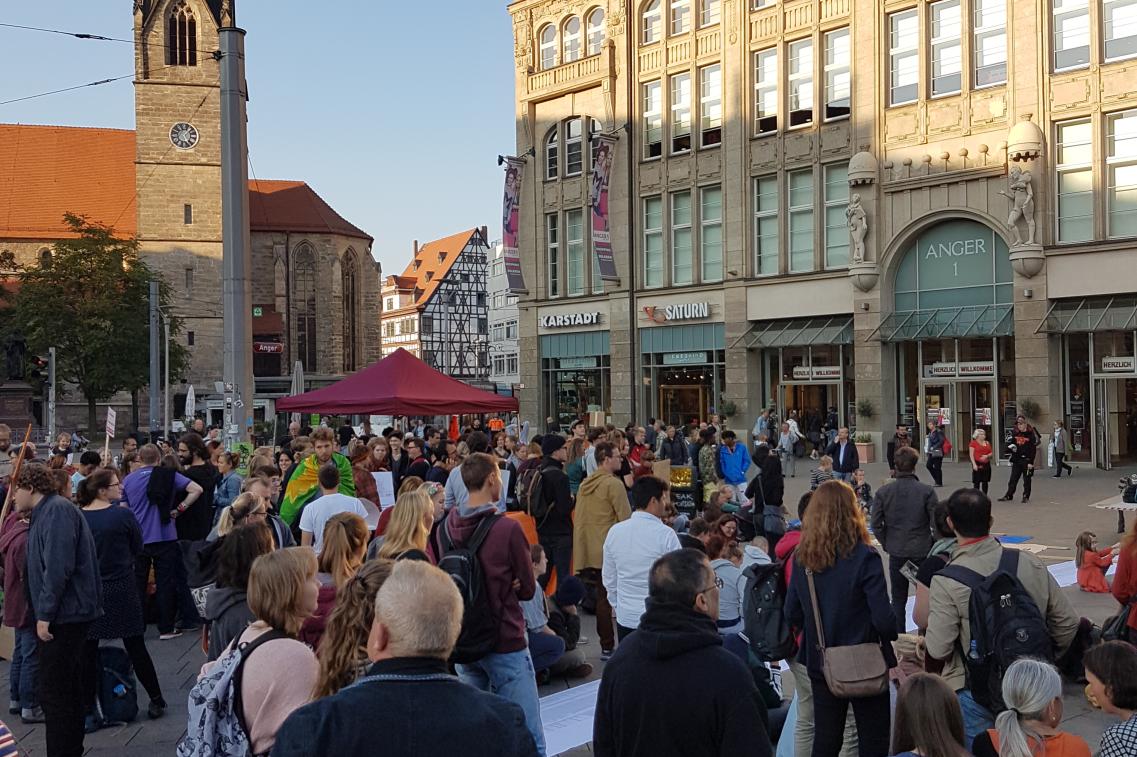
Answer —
(315, 284)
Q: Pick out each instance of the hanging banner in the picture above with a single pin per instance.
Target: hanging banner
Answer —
(511, 222)
(601, 237)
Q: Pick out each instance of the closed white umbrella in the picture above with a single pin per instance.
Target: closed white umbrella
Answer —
(297, 385)
(191, 403)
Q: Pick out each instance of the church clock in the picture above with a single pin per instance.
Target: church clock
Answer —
(183, 136)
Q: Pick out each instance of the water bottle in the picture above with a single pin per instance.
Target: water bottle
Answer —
(973, 653)
(119, 691)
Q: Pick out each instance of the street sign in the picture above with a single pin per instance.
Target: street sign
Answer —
(258, 311)
(268, 348)
(110, 422)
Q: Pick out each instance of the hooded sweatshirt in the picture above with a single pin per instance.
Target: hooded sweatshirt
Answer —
(14, 548)
(677, 655)
(228, 613)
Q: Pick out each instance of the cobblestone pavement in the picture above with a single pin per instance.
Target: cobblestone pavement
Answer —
(1058, 511)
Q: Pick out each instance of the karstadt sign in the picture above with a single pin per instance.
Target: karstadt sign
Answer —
(563, 320)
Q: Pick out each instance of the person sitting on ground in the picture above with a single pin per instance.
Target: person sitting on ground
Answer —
(418, 615)
(1111, 672)
(345, 545)
(342, 652)
(863, 490)
(725, 556)
(929, 722)
(757, 552)
(698, 531)
(1092, 563)
(726, 527)
(822, 473)
(1032, 691)
(677, 655)
(227, 610)
(550, 656)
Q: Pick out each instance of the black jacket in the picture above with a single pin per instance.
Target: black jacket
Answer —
(894, 444)
(555, 490)
(768, 487)
(852, 459)
(426, 713)
(1023, 446)
(674, 450)
(903, 515)
(63, 566)
(676, 655)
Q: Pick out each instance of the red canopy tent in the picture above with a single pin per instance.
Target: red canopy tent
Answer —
(399, 384)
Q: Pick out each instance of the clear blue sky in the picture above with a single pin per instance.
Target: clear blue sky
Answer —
(394, 112)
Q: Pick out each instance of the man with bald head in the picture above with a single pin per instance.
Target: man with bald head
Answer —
(408, 696)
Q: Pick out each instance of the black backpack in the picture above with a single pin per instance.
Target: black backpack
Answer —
(1006, 625)
(530, 498)
(763, 613)
(117, 698)
(479, 624)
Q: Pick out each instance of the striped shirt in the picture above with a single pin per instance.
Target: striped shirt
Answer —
(7, 743)
(817, 477)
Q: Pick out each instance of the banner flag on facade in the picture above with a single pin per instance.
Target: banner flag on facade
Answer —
(598, 198)
(511, 223)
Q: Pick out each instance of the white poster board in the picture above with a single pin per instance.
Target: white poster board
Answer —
(110, 422)
(385, 487)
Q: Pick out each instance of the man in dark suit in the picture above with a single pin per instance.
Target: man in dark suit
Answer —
(844, 454)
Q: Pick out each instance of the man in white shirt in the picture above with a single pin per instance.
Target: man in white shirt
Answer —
(631, 548)
(316, 513)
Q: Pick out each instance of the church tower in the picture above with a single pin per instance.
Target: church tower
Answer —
(178, 164)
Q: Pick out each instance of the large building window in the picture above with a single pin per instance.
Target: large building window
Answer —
(682, 252)
(947, 49)
(571, 40)
(1120, 22)
(904, 57)
(766, 91)
(595, 32)
(653, 241)
(552, 164)
(304, 303)
(838, 80)
(801, 220)
(653, 119)
(574, 147)
(680, 113)
(765, 225)
(181, 37)
(836, 227)
(680, 16)
(710, 105)
(710, 233)
(1071, 34)
(553, 250)
(350, 312)
(709, 12)
(652, 22)
(1121, 172)
(801, 82)
(595, 129)
(548, 47)
(1075, 182)
(574, 252)
(990, 42)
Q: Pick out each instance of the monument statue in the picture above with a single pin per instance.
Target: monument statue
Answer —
(14, 350)
(1021, 196)
(858, 223)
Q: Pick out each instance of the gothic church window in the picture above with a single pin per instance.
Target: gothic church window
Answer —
(350, 312)
(304, 302)
(181, 41)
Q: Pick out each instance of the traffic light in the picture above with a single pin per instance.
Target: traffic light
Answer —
(38, 368)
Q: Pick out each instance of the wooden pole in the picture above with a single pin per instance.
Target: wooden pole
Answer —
(15, 474)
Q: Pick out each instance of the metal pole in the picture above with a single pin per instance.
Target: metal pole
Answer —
(51, 395)
(236, 259)
(166, 393)
(155, 377)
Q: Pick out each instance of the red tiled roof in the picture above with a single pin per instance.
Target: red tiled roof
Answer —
(431, 268)
(46, 171)
(295, 206)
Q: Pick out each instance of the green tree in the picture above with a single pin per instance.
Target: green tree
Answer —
(91, 302)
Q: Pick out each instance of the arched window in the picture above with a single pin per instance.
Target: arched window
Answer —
(552, 162)
(680, 16)
(595, 32)
(548, 47)
(181, 41)
(304, 303)
(350, 312)
(571, 40)
(652, 22)
(45, 258)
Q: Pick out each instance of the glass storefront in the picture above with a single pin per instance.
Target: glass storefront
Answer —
(575, 376)
(811, 383)
(684, 371)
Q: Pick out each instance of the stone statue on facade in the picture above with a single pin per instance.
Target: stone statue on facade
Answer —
(14, 350)
(1021, 195)
(858, 223)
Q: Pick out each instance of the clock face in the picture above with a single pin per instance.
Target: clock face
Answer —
(183, 136)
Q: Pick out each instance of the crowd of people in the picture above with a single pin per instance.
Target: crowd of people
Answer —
(467, 593)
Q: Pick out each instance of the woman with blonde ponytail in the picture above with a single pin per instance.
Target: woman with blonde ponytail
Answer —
(1032, 691)
(343, 650)
(344, 547)
(246, 508)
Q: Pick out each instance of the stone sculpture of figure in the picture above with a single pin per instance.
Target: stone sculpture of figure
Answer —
(14, 350)
(1022, 204)
(858, 223)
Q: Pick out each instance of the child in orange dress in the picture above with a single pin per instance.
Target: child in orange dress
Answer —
(1091, 563)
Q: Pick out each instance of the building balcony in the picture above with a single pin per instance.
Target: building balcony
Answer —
(565, 76)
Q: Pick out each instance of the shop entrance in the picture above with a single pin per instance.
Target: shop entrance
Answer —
(682, 404)
(961, 407)
(1116, 421)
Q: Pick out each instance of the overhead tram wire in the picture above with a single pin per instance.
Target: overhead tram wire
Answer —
(81, 86)
(91, 37)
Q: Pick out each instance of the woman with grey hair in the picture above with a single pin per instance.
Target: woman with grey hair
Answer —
(1032, 691)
